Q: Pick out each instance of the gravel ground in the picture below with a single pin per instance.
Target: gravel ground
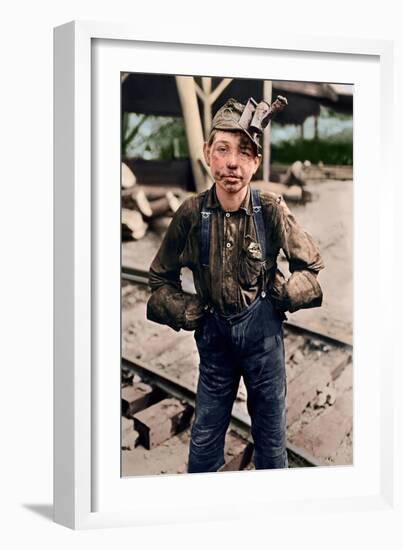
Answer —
(329, 219)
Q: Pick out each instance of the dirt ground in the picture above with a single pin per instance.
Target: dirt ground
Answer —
(329, 219)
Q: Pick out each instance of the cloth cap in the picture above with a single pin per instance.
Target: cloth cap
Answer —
(228, 117)
(251, 119)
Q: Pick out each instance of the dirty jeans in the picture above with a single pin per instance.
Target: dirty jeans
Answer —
(248, 344)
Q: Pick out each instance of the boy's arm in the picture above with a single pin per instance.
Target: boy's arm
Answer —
(168, 304)
(302, 289)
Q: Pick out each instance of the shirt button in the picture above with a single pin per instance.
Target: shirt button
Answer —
(228, 245)
(227, 214)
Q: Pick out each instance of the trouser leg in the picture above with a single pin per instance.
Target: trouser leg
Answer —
(265, 381)
(216, 391)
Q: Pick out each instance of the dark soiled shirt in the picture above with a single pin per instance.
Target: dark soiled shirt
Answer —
(236, 273)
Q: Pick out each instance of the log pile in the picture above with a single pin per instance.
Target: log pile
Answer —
(290, 193)
(147, 207)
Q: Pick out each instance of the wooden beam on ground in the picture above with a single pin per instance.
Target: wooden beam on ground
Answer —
(128, 179)
(237, 453)
(161, 421)
(133, 224)
(294, 193)
(135, 197)
(317, 374)
(325, 433)
(169, 203)
(135, 398)
(129, 434)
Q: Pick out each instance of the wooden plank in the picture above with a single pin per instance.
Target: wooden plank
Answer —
(133, 224)
(302, 390)
(129, 434)
(314, 375)
(324, 434)
(162, 420)
(237, 453)
(135, 398)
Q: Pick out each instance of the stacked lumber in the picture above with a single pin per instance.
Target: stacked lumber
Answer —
(292, 193)
(146, 206)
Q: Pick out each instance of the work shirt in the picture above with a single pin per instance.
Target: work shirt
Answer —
(236, 271)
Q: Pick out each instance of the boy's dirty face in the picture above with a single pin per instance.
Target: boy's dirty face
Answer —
(232, 160)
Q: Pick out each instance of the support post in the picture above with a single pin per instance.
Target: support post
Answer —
(207, 104)
(193, 128)
(267, 96)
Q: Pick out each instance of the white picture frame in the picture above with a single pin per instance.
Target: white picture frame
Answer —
(88, 490)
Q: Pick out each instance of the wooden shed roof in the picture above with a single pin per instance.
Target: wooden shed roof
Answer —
(157, 94)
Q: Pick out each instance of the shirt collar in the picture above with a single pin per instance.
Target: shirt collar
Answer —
(212, 201)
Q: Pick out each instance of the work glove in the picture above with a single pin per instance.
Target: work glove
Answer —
(194, 312)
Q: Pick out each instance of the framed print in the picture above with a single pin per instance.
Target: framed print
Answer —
(163, 173)
(96, 483)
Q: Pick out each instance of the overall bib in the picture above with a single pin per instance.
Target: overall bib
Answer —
(248, 344)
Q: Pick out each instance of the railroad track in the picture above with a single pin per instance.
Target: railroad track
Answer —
(140, 276)
(159, 375)
(156, 410)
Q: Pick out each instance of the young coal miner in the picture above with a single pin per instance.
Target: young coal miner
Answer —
(230, 237)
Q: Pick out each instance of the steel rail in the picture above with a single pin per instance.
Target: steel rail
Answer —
(239, 421)
(140, 276)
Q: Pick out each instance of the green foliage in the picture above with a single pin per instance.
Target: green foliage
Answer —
(130, 132)
(327, 112)
(163, 138)
(153, 137)
(329, 151)
(170, 140)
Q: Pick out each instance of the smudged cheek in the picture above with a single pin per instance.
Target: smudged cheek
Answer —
(217, 167)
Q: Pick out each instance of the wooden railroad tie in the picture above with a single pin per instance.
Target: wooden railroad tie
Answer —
(135, 398)
(161, 421)
(238, 453)
(317, 373)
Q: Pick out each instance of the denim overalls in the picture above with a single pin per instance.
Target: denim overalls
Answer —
(248, 344)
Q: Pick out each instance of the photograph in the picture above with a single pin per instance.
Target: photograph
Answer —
(236, 274)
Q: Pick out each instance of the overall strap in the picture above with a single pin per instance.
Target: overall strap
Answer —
(259, 222)
(205, 232)
(205, 227)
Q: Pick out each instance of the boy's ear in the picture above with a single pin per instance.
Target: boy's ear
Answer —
(258, 161)
(206, 153)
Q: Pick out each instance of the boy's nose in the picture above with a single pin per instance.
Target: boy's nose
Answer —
(232, 159)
